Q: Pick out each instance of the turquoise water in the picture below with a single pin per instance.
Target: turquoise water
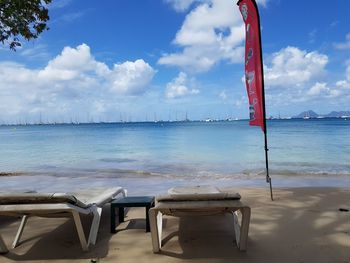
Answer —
(157, 154)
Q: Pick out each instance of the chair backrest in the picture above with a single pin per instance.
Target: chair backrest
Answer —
(83, 198)
(39, 198)
(198, 193)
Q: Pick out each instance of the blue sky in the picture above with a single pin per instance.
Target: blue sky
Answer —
(158, 59)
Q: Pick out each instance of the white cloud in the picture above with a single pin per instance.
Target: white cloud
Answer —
(334, 23)
(73, 81)
(294, 76)
(71, 63)
(179, 87)
(312, 36)
(180, 5)
(183, 5)
(322, 90)
(262, 2)
(317, 89)
(132, 77)
(344, 45)
(59, 4)
(78, 64)
(240, 102)
(294, 67)
(34, 51)
(337, 93)
(345, 84)
(223, 95)
(71, 17)
(213, 31)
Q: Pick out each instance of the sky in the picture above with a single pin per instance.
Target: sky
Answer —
(135, 60)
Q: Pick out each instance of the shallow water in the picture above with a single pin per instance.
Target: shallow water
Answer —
(159, 154)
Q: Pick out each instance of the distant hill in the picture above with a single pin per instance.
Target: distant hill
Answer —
(337, 114)
(312, 114)
(306, 114)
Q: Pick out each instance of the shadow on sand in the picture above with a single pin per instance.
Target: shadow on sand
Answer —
(301, 225)
(283, 223)
(49, 235)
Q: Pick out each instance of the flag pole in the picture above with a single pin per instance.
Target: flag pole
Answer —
(268, 178)
(264, 128)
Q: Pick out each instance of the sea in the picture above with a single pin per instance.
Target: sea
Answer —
(151, 157)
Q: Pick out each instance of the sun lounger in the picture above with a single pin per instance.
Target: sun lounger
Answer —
(89, 201)
(199, 201)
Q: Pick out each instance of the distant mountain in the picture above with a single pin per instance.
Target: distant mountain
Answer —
(337, 114)
(306, 114)
(311, 114)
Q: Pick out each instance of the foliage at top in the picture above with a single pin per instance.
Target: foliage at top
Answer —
(22, 18)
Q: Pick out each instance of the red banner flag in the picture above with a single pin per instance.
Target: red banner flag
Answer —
(254, 78)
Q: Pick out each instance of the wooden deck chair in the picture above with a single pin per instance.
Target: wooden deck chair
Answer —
(89, 201)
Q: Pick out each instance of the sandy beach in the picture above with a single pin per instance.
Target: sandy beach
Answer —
(301, 225)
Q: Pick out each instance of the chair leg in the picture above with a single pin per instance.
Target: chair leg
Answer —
(237, 228)
(20, 231)
(94, 225)
(147, 218)
(125, 193)
(113, 219)
(80, 230)
(156, 224)
(244, 228)
(241, 230)
(3, 248)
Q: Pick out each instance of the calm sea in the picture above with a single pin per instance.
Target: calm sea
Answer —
(148, 157)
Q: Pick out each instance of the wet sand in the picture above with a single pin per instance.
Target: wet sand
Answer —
(301, 225)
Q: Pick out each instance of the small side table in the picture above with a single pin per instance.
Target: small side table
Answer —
(130, 201)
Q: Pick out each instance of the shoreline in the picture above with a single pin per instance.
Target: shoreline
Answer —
(184, 121)
(4, 174)
(145, 185)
